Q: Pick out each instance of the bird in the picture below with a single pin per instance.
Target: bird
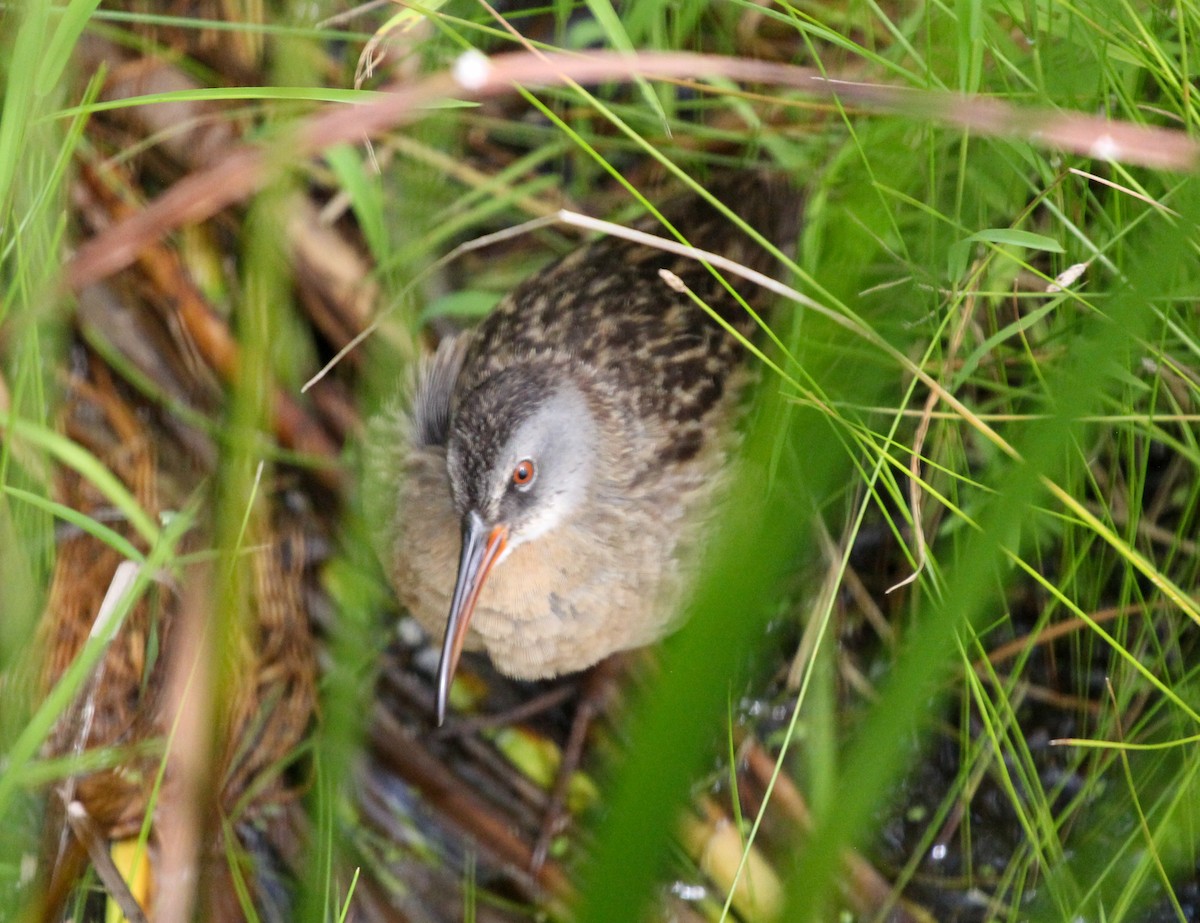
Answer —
(546, 487)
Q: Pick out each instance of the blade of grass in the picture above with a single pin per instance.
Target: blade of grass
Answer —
(919, 671)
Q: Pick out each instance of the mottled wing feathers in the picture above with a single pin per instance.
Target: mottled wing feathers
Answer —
(606, 307)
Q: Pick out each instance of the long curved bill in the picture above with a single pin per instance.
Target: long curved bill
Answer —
(481, 548)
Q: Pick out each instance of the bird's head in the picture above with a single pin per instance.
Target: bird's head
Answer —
(520, 455)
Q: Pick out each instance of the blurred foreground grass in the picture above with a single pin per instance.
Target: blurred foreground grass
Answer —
(1010, 416)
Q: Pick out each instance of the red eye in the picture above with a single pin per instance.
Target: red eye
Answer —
(524, 473)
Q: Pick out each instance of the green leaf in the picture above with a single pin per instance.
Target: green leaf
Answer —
(82, 521)
(607, 17)
(467, 303)
(62, 44)
(366, 196)
(1015, 238)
